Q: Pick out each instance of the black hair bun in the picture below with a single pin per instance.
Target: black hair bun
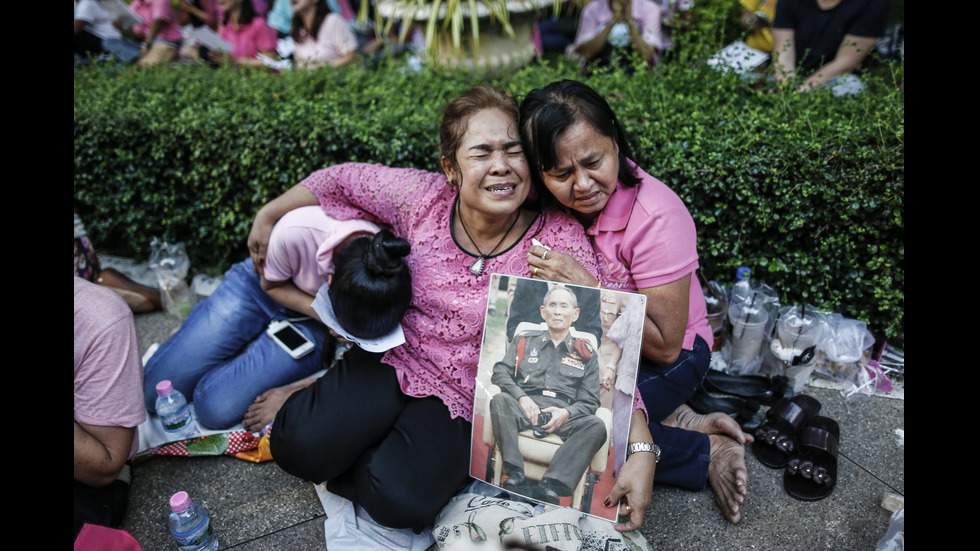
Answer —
(386, 252)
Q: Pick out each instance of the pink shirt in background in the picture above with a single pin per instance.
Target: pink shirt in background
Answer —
(108, 366)
(301, 246)
(597, 13)
(334, 39)
(248, 40)
(444, 323)
(645, 237)
(150, 10)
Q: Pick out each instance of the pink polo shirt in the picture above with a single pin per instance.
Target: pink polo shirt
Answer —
(645, 237)
(248, 40)
(150, 10)
(597, 13)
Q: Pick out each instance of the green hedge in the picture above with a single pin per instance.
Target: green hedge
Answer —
(806, 189)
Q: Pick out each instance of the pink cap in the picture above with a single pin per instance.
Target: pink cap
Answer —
(164, 387)
(179, 501)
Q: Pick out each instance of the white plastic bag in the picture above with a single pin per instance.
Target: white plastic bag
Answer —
(171, 264)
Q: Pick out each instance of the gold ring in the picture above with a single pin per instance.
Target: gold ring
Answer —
(534, 271)
(544, 255)
(629, 510)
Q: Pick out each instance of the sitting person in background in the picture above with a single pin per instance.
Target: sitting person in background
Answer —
(321, 36)
(756, 19)
(139, 297)
(222, 357)
(611, 29)
(280, 17)
(196, 13)
(108, 404)
(609, 351)
(247, 32)
(557, 31)
(826, 41)
(159, 32)
(96, 35)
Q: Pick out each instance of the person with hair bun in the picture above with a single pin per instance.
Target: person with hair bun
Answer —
(391, 432)
(222, 358)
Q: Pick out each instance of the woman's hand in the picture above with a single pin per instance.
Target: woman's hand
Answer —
(555, 266)
(634, 482)
(258, 238)
(258, 241)
(607, 378)
(634, 489)
(220, 57)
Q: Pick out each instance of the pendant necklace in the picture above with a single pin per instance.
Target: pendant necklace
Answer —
(477, 267)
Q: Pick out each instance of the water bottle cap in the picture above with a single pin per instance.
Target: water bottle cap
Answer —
(180, 502)
(164, 387)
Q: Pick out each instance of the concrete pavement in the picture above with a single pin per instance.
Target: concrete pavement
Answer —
(260, 507)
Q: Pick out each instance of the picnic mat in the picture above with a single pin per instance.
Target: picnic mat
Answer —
(236, 441)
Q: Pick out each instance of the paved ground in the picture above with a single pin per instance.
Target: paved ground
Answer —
(259, 507)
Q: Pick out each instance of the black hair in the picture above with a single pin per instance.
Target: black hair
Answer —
(547, 113)
(297, 29)
(371, 286)
(244, 18)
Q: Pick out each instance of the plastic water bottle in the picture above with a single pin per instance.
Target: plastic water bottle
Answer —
(174, 412)
(191, 525)
(742, 289)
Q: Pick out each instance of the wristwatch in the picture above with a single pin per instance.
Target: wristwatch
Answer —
(643, 447)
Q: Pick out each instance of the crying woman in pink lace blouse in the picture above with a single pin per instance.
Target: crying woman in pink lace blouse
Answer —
(391, 432)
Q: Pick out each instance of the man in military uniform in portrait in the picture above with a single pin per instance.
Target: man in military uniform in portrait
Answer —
(549, 381)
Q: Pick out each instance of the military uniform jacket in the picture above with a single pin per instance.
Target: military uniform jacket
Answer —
(567, 374)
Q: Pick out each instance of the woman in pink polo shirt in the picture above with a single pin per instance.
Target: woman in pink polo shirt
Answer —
(248, 33)
(645, 241)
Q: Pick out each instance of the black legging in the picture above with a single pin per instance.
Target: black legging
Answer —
(400, 458)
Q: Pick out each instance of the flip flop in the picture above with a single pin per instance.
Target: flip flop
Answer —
(776, 440)
(764, 390)
(812, 474)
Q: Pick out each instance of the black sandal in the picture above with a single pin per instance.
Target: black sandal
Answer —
(764, 390)
(776, 440)
(812, 474)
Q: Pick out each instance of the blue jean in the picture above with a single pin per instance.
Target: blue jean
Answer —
(221, 358)
(684, 454)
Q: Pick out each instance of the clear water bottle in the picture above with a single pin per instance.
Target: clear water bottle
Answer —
(190, 525)
(742, 289)
(174, 412)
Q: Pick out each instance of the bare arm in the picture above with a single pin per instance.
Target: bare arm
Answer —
(345, 59)
(853, 49)
(784, 54)
(666, 321)
(594, 45)
(642, 49)
(258, 238)
(101, 452)
(289, 295)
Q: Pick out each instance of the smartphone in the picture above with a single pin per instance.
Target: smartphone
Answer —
(289, 338)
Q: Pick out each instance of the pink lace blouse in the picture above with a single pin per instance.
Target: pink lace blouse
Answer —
(444, 325)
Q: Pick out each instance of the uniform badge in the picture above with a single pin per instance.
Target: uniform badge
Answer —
(534, 356)
(572, 362)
